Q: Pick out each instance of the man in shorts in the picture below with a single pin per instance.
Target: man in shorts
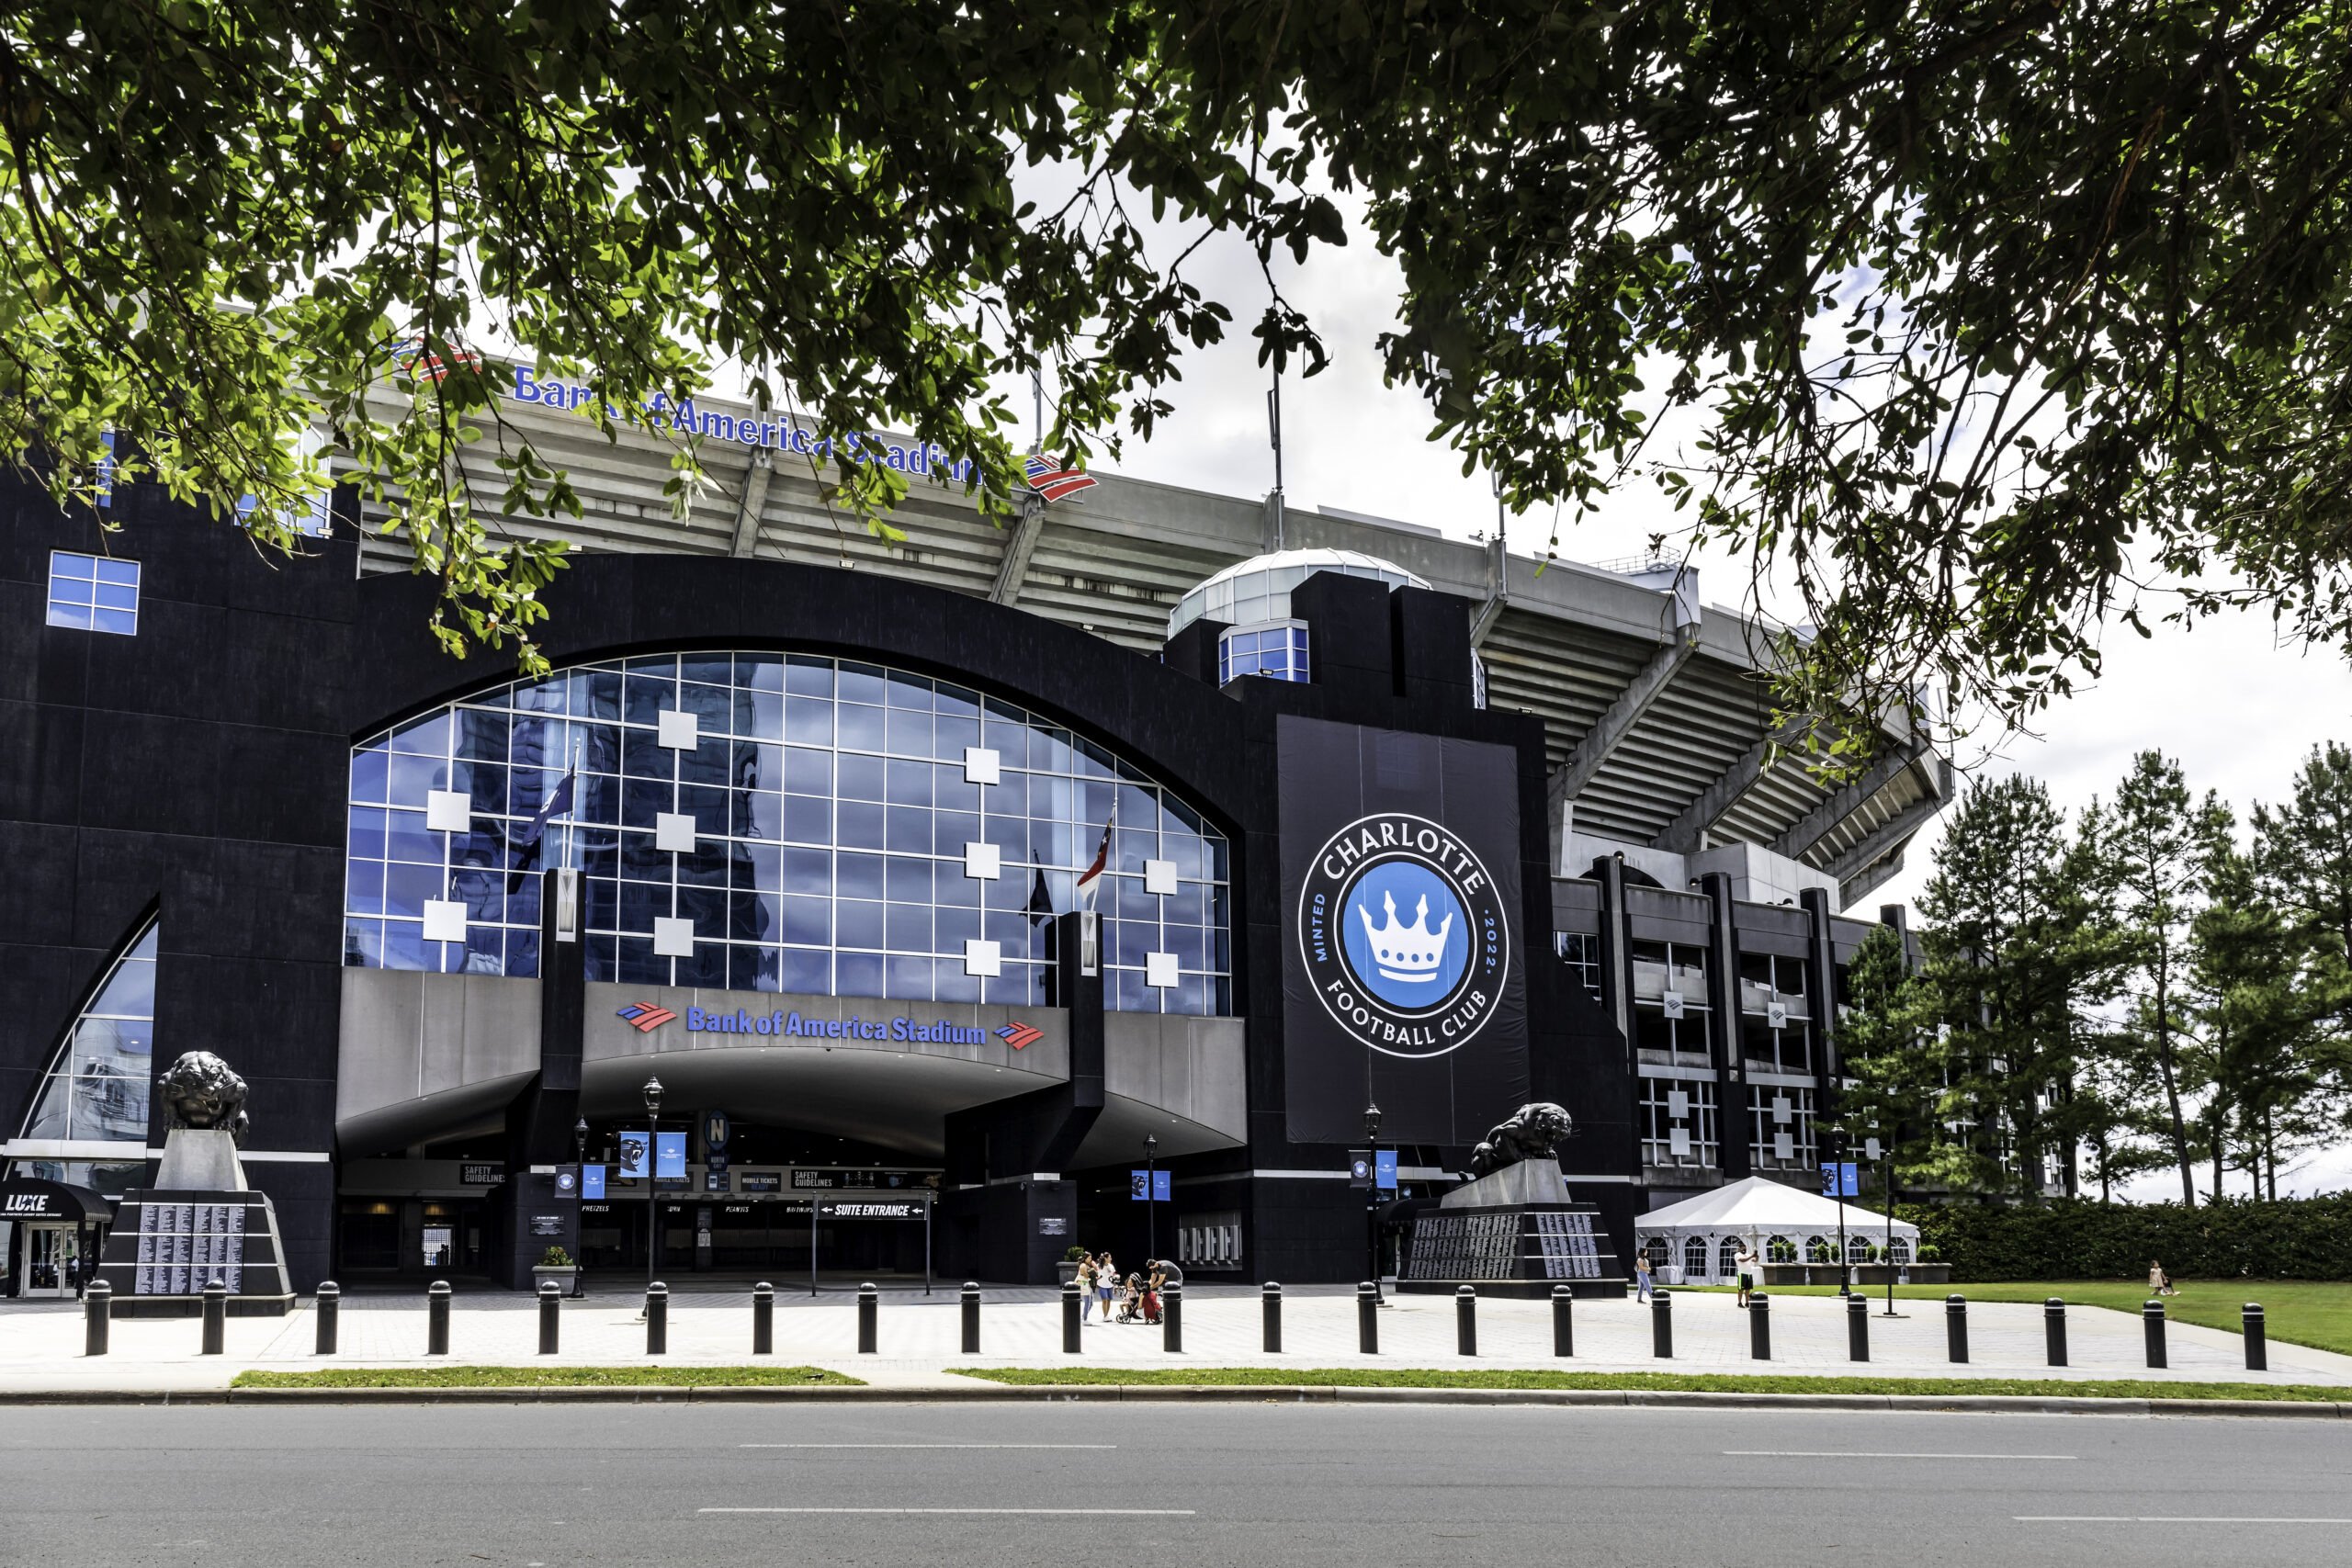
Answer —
(1745, 1263)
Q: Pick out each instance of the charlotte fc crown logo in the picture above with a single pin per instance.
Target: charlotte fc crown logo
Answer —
(1411, 955)
(1417, 986)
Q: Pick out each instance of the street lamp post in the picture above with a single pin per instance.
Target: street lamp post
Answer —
(1151, 1201)
(580, 1167)
(652, 1163)
(1372, 1203)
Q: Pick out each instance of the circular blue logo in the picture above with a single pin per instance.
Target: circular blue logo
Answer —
(1408, 941)
(1405, 939)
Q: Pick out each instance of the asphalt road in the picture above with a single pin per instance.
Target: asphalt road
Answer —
(1144, 1485)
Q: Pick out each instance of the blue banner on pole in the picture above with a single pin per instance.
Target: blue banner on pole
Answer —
(636, 1154)
(1841, 1179)
(670, 1158)
(1383, 1169)
(592, 1182)
(1161, 1187)
(1148, 1186)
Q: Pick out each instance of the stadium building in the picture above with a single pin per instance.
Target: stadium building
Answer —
(1161, 831)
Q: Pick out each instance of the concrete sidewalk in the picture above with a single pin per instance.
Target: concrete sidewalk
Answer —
(41, 1343)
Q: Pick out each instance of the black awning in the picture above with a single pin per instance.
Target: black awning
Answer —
(31, 1197)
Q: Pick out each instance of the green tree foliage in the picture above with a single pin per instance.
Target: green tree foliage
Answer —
(2016, 955)
(2302, 851)
(2264, 989)
(1963, 301)
(2150, 848)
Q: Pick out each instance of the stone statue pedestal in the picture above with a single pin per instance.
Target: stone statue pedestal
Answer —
(200, 1159)
(200, 1222)
(1513, 1233)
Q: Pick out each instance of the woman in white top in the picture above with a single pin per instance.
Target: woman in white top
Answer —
(1085, 1287)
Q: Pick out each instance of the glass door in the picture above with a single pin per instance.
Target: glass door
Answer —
(51, 1253)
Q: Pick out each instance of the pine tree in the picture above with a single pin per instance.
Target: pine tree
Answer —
(2015, 956)
(2302, 851)
(2151, 845)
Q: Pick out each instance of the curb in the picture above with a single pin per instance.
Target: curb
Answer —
(1192, 1394)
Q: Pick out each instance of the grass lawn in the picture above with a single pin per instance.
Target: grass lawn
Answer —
(541, 1377)
(1426, 1377)
(2317, 1313)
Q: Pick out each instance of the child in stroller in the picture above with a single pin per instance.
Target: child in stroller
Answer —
(1131, 1299)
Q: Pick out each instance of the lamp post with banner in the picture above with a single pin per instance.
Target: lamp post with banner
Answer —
(1837, 1181)
(1372, 1202)
(580, 1163)
(1151, 1202)
(652, 1163)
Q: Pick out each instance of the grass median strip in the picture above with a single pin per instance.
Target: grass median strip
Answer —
(1679, 1383)
(546, 1377)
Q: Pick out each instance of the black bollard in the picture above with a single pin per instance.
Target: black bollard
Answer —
(330, 1313)
(1069, 1318)
(1661, 1327)
(1564, 1328)
(1465, 1320)
(1956, 1327)
(1858, 1328)
(1759, 1326)
(2151, 1320)
(869, 1314)
(971, 1317)
(1171, 1319)
(1270, 1297)
(2257, 1342)
(216, 1319)
(2054, 1328)
(657, 1319)
(764, 1319)
(550, 1316)
(436, 1318)
(1368, 1319)
(98, 1312)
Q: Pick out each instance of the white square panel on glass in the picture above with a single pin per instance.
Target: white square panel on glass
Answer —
(983, 862)
(678, 729)
(1678, 1102)
(1160, 971)
(982, 766)
(444, 919)
(1784, 1146)
(1678, 1141)
(983, 957)
(1160, 876)
(1673, 1003)
(674, 937)
(1781, 1108)
(448, 811)
(674, 830)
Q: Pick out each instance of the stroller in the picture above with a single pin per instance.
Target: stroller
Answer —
(1131, 1301)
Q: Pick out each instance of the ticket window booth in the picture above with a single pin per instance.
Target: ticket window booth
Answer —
(57, 1233)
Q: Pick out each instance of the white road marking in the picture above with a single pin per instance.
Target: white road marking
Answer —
(926, 1445)
(2163, 1520)
(1122, 1512)
(1845, 1453)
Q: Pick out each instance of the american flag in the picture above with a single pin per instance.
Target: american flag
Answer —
(1053, 482)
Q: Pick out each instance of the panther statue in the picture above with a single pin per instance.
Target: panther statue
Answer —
(1532, 1131)
(204, 1091)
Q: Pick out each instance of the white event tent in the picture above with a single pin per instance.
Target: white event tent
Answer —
(1697, 1241)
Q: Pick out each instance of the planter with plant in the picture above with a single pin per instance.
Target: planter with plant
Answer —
(1067, 1267)
(555, 1264)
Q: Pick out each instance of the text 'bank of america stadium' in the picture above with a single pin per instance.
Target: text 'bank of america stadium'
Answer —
(1158, 830)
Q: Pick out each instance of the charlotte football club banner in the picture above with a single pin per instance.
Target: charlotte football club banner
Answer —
(1403, 960)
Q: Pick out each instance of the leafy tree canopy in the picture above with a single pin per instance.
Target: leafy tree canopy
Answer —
(1977, 307)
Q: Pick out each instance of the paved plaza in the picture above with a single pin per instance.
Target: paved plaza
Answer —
(41, 1342)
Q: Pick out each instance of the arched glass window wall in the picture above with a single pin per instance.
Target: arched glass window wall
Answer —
(840, 837)
(96, 1091)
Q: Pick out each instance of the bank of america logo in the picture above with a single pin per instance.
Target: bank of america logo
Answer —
(646, 1016)
(1018, 1034)
(1411, 954)
(1053, 482)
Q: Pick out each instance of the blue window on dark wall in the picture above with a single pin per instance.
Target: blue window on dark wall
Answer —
(92, 593)
(1277, 652)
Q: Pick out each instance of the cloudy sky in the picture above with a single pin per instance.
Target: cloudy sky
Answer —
(2234, 705)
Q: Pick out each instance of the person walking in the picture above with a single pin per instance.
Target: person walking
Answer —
(1745, 1264)
(2159, 1282)
(1106, 1280)
(1641, 1277)
(1085, 1288)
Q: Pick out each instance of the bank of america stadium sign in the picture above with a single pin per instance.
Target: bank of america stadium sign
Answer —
(776, 435)
(645, 1017)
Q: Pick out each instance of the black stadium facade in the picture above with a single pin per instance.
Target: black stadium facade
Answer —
(810, 843)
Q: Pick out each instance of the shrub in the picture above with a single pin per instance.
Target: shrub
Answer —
(1074, 1255)
(2292, 1238)
(556, 1257)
